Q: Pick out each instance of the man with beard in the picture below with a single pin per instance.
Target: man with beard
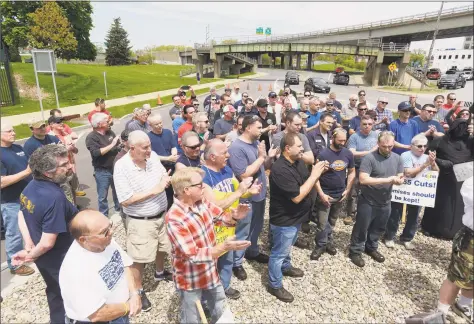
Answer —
(333, 187)
(44, 219)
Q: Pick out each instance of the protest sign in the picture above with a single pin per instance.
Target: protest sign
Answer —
(419, 191)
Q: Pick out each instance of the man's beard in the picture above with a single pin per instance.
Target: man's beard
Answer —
(60, 179)
(337, 146)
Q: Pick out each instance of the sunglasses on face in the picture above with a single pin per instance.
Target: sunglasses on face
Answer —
(194, 146)
(451, 98)
(353, 99)
(362, 109)
(421, 146)
(329, 105)
(362, 95)
(205, 121)
(196, 105)
(245, 96)
(199, 185)
(431, 111)
(383, 102)
(307, 95)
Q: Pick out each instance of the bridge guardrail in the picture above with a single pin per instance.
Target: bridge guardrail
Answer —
(243, 57)
(406, 19)
(394, 47)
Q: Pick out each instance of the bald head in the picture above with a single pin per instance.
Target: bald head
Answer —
(213, 147)
(137, 137)
(87, 221)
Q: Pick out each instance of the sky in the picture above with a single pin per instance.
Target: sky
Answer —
(184, 23)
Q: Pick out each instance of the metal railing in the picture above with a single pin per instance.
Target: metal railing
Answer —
(202, 46)
(382, 23)
(242, 57)
(394, 47)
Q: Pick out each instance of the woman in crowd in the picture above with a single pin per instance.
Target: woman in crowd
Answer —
(454, 152)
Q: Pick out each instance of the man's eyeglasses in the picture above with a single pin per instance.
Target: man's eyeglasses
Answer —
(353, 99)
(361, 109)
(362, 95)
(194, 146)
(383, 102)
(421, 146)
(464, 114)
(329, 105)
(205, 121)
(199, 185)
(245, 96)
(307, 95)
(196, 105)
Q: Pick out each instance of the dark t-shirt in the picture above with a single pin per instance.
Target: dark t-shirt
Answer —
(47, 210)
(252, 112)
(378, 166)
(285, 182)
(189, 162)
(333, 181)
(32, 144)
(162, 143)
(13, 161)
(223, 126)
(176, 110)
(94, 142)
(269, 119)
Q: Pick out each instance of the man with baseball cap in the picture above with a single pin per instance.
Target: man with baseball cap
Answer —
(274, 106)
(226, 123)
(404, 128)
(38, 137)
(330, 109)
(268, 122)
(384, 116)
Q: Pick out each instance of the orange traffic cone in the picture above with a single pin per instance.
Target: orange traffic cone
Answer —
(248, 86)
(270, 87)
(259, 87)
(158, 101)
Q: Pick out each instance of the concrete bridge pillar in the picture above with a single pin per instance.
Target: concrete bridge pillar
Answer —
(260, 59)
(200, 65)
(298, 61)
(285, 61)
(376, 75)
(309, 63)
(235, 68)
(218, 65)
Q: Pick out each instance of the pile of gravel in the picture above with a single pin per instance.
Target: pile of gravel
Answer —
(332, 290)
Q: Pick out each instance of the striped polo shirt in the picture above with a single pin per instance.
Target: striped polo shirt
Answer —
(129, 179)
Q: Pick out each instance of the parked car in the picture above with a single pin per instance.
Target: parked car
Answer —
(341, 78)
(291, 77)
(452, 79)
(468, 74)
(433, 74)
(317, 85)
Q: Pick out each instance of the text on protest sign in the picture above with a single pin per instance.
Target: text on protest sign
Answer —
(418, 191)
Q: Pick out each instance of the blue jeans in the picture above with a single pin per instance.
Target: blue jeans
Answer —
(13, 238)
(369, 226)
(225, 263)
(242, 231)
(104, 179)
(256, 226)
(214, 298)
(120, 320)
(283, 239)
(411, 224)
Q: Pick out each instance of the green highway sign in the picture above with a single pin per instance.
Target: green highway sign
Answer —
(268, 31)
(259, 31)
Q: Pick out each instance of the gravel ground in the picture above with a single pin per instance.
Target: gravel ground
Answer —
(332, 290)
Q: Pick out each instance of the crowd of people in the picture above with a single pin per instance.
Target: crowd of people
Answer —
(196, 194)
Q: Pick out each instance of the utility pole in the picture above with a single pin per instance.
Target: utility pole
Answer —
(423, 79)
(207, 34)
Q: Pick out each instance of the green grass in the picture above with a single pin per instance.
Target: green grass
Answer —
(83, 83)
(238, 76)
(120, 111)
(404, 89)
(23, 130)
(331, 67)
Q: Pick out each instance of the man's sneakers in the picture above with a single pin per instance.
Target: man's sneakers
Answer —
(389, 243)
(232, 293)
(165, 275)
(260, 258)
(281, 293)
(408, 245)
(239, 273)
(146, 305)
(23, 270)
(463, 311)
(293, 272)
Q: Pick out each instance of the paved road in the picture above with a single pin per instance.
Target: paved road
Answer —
(83, 159)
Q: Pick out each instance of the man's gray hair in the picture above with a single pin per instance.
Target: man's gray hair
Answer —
(154, 118)
(198, 116)
(314, 100)
(211, 148)
(137, 137)
(419, 139)
(97, 118)
(186, 136)
(384, 135)
(44, 159)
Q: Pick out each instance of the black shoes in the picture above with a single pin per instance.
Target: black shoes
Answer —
(377, 256)
(330, 249)
(317, 252)
(146, 305)
(305, 228)
(281, 293)
(293, 272)
(301, 244)
(232, 293)
(239, 273)
(357, 260)
(260, 258)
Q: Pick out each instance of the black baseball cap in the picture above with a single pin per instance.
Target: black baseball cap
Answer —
(262, 103)
(272, 94)
(55, 120)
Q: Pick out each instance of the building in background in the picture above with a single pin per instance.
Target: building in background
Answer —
(468, 43)
(444, 59)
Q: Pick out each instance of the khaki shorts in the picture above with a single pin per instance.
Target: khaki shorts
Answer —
(461, 268)
(145, 238)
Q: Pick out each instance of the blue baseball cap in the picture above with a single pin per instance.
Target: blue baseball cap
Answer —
(404, 105)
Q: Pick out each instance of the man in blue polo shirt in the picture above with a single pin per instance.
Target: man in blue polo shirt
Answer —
(313, 114)
(44, 219)
(38, 137)
(426, 124)
(404, 128)
(15, 175)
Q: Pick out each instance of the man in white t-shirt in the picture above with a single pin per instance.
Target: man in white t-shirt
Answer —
(96, 282)
(235, 95)
(414, 162)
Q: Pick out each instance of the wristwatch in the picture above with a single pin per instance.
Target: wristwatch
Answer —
(135, 293)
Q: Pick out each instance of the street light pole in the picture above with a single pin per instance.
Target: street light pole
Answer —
(423, 79)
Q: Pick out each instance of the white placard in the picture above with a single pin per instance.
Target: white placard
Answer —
(419, 191)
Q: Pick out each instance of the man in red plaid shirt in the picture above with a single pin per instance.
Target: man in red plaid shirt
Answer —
(190, 224)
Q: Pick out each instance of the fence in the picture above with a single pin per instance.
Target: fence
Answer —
(7, 96)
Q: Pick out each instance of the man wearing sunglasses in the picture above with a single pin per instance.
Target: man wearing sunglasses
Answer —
(331, 109)
(38, 138)
(44, 219)
(384, 116)
(337, 104)
(426, 124)
(404, 128)
(239, 104)
(362, 96)
(140, 182)
(106, 291)
(451, 101)
(414, 162)
(191, 145)
(354, 123)
(212, 93)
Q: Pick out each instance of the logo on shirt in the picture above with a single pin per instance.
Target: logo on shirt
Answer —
(27, 204)
(20, 153)
(112, 271)
(338, 165)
